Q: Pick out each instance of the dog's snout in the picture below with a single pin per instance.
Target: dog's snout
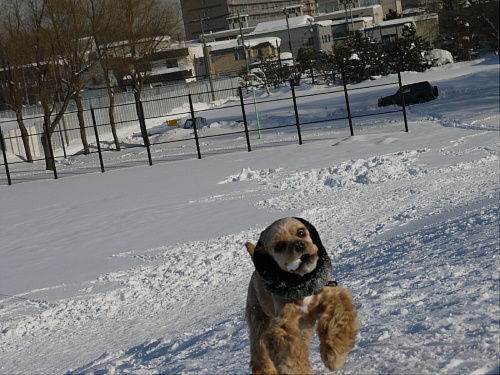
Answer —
(300, 246)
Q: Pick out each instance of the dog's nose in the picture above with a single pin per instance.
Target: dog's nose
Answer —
(300, 247)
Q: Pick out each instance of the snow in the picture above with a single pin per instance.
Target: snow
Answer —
(143, 270)
(439, 57)
(251, 43)
(281, 24)
(410, 20)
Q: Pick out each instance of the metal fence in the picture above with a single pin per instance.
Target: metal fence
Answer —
(161, 103)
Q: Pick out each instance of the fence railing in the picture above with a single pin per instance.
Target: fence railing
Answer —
(174, 104)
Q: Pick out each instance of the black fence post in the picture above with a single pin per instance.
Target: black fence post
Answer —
(240, 91)
(402, 100)
(97, 139)
(347, 102)
(144, 131)
(297, 121)
(62, 143)
(193, 120)
(2, 145)
(51, 151)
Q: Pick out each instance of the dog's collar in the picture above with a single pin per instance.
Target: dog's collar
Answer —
(293, 286)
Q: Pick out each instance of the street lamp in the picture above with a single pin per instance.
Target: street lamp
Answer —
(348, 5)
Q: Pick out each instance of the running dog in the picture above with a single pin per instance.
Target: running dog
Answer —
(290, 293)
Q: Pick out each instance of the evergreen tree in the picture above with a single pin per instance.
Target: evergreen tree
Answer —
(408, 51)
(326, 65)
(365, 60)
(306, 57)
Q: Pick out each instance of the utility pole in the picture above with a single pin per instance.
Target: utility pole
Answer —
(348, 5)
(206, 56)
(243, 43)
(294, 74)
(289, 37)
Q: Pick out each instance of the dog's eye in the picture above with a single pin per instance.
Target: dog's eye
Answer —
(301, 233)
(280, 246)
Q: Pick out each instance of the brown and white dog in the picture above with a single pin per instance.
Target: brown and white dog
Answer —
(289, 293)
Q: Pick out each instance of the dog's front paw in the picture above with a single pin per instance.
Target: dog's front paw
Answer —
(334, 361)
(337, 326)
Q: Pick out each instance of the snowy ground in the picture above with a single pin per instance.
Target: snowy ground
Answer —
(142, 269)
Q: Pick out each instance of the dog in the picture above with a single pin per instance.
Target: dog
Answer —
(290, 293)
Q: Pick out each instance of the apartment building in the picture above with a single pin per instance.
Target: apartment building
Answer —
(210, 16)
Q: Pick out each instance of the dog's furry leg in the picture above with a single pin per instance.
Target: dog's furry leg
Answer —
(288, 344)
(258, 323)
(337, 326)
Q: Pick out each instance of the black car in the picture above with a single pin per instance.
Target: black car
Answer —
(420, 92)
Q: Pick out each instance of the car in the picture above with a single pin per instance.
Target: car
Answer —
(199, 122)
(414, 93)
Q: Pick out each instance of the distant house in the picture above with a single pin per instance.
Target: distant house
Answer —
(426, 26)
(300, 29)
(228, 57)
(178, 62)
(330, 32)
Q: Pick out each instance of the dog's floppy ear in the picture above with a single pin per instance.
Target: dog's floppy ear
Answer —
(312, 231)
(250, 248)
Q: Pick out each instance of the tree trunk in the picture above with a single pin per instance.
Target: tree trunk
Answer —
(142, 120)
(24, 136)
(81, 123)
(47, 145)
(111, 113)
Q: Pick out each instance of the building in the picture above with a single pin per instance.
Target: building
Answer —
(426, 26)
(294, 33)
(211, 16)
(204, 16)
(327, 33)
(330, 6)
(230, 58)
(178, 62)
(376, 12)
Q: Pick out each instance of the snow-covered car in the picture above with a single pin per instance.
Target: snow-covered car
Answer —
(199, 122)
(414, 93)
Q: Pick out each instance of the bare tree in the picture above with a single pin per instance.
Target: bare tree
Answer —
(12, 64)
(72, 45)
(104, 31)
(146, 27)
(49, 68)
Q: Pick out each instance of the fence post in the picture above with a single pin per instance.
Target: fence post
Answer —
(97, 139)
(297, 121)
(193, 120)
(402, 100)
(144, 131)
(62, 142)
(2, 145)
(142, 124)
(240, 91)
(347, 102)
(51, 151)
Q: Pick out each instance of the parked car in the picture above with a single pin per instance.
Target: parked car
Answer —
(199, 122)
(414, 93)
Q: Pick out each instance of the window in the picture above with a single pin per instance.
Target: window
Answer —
(389, 39)
(172, 63)
(238, 56)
